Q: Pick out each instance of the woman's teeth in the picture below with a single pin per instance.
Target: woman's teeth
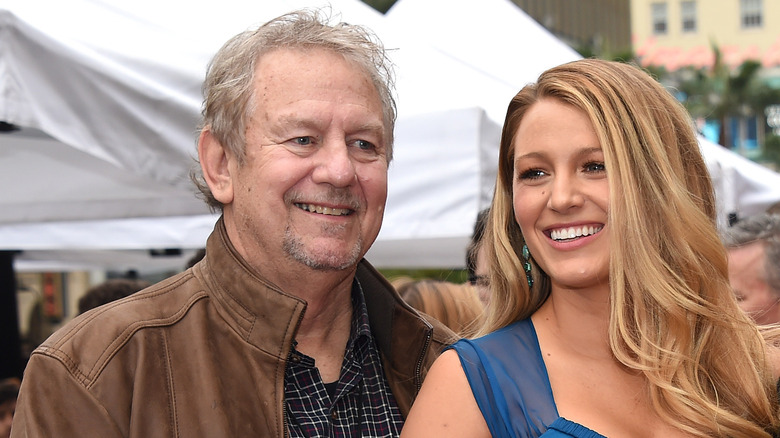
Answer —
(574, 232)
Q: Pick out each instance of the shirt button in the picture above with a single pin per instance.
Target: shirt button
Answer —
(334, 415)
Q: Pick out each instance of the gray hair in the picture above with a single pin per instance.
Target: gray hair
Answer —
(229, 92)
(765, 228)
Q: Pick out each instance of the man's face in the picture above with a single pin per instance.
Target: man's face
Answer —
(313, 186)
(747, 277)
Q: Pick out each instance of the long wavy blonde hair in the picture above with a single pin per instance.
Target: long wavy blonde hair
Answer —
(673, 316)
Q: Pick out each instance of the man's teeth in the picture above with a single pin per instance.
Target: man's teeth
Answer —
(572, 232)
(324, 210)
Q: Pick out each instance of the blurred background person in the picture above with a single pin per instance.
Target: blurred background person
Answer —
(754, 265)
(476, 262)
(454, 305)
(110, 290)
(402, 281)
(198, 256)
(9, 391)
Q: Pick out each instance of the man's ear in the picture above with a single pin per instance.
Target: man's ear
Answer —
(214, 161)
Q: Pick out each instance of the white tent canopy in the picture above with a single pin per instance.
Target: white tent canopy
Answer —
(495, 37)
(110, 99)
(108, 94)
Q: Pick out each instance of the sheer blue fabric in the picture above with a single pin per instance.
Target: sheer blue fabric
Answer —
(509, 381)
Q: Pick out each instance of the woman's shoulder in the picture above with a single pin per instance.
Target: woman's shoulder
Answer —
(445, 399)
(508, 379)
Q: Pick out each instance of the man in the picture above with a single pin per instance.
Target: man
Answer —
(282, 329)
(754, 266)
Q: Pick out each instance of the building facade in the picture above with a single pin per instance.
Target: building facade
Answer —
(598, 26)
(679, 33)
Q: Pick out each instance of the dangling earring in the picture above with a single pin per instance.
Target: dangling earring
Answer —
(527, 265)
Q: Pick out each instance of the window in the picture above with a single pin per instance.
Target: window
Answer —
(688, 13)
(658, 13)
(751, 12)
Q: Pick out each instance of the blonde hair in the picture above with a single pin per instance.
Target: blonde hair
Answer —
(673, 316)
(455, 305)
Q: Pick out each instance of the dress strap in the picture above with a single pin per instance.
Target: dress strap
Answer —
(509, 380)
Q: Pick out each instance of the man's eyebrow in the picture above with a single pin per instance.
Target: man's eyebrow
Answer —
(376, 128)
(295, 120)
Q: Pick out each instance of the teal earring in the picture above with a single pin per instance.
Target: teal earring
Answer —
(527, 265)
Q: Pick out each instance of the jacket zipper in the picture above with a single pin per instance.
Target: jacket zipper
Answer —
(418, 369)
(285, 429)
(285, 432)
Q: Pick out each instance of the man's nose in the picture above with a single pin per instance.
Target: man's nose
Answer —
(335, 164)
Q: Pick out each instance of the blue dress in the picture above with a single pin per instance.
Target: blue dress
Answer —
(510, 384)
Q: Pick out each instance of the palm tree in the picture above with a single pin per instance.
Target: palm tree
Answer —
(721, 93)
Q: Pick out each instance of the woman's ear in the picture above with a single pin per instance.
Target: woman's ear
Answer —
(214, 161)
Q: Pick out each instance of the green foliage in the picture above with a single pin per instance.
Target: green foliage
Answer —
(624, 56)
(380, 5)
(718, 92)
(589, 51)
(772, 150)
(657, 72)
(699, 91)
(586, 51)
(451, 275)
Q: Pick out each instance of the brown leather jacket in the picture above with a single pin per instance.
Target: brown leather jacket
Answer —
(200, 354)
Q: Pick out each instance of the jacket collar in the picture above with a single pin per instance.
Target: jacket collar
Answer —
(263, 314)
(268, 317)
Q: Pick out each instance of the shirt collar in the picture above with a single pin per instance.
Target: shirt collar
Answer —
(360, 329)
(360, 324)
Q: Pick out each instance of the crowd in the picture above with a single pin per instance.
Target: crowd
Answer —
(602, 299)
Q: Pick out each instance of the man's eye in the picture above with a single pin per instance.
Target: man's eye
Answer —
(303, 141)
(365, 145)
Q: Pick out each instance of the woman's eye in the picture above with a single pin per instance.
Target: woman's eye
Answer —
(594, 167)
(531, 174)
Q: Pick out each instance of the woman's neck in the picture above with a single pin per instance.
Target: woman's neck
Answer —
(578, 319)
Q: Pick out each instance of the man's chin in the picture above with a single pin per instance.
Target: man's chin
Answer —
(324, 259)
(324, 253)
(329, 262)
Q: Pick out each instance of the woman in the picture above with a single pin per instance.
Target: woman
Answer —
(611, 312)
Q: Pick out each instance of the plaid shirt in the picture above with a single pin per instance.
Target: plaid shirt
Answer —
(363, 404)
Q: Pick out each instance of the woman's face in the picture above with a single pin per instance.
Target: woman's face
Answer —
(561, 195)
